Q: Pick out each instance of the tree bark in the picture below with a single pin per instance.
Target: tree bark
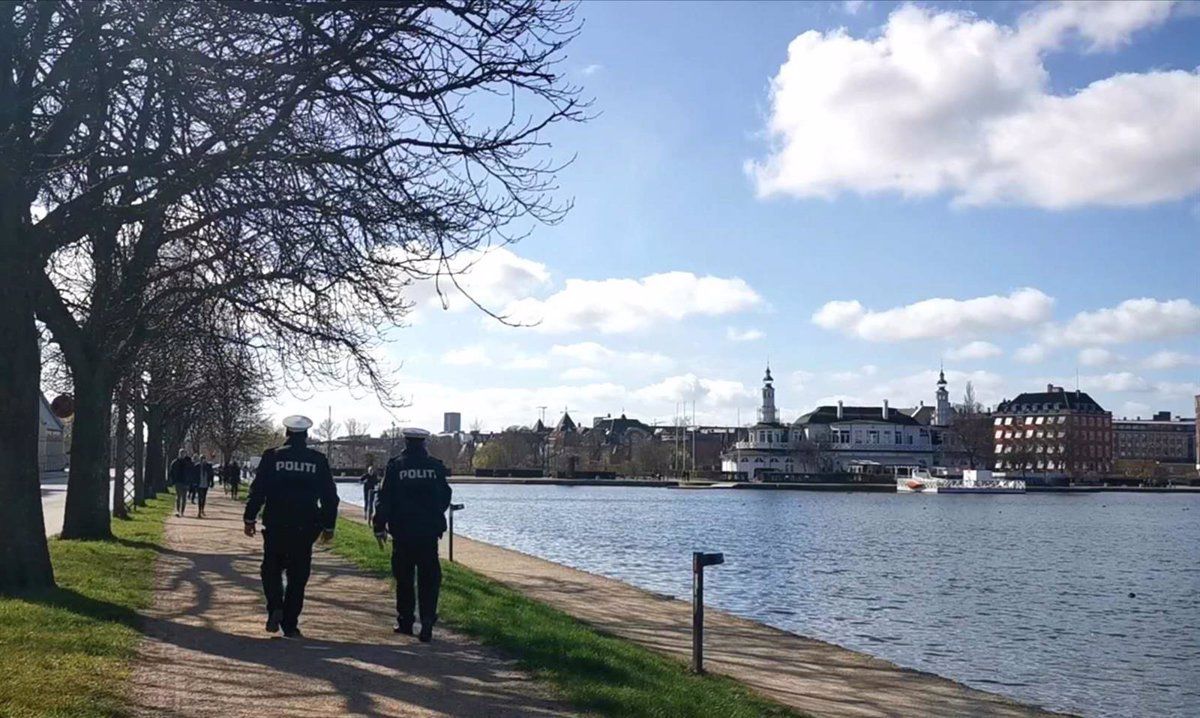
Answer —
(139, 454)
(156, 468)
(87, 511)
(24, 555)
(120, 452)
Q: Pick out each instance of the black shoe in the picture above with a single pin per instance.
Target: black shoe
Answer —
(274, 620)
(426, 634)
(403, 627)
(292, 633)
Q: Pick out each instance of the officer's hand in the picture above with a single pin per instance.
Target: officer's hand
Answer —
(250, 528)
(381, 538)
(326, 535)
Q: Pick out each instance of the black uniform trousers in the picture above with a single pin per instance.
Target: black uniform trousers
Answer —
(417, 555)
(181, 491)
(287, 550)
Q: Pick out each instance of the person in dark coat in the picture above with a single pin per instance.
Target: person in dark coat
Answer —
(193, 480)
(294, 489)
(411, 507)
(204, 482)
(370, 482)
(180, 476)
(233, 478)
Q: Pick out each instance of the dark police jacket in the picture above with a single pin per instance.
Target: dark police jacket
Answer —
(180, 471)
(295, 489)
(414, 497)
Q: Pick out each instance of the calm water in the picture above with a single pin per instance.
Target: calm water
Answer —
(1023, 595)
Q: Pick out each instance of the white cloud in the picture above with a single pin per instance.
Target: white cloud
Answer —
(1030, 354)
(1116, 381)
(467, 356)
(743, 335)
(850, 375)
(1097, 356)
(591, 69)
(1130, 321)
(706, 392)
(1106, 25)
(911, 389)
(974, 350)
(937, 317)
(527, 362)
(1170, 360)
(582, 373)
(853, 7)
(614, 306)
(593, 353)
(947, 102)
(1134, 409)
(494, 278)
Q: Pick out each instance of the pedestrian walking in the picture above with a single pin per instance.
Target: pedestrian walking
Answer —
(370, 482)
(411, 507)
(204, 482)
(294, 489)
(233, 479)
(180, 476)
(193, 480)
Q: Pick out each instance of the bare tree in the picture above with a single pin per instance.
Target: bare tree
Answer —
(155, 162)
(971, 431)
(355, 427)
(326, 429)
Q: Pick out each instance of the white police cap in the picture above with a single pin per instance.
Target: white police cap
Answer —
(296, 422)
(412, 432)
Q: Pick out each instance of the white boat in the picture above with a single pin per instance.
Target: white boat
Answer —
(974, 481)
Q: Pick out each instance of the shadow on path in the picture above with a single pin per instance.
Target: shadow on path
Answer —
(206, 652)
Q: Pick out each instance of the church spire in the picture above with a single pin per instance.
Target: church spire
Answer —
(767, 413)
(943, 413)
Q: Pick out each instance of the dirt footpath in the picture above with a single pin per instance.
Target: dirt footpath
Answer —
(206, 652)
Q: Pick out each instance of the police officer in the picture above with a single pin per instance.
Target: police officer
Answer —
(411, 505)
(295, 489)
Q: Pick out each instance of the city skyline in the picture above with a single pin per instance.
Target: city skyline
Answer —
(712, 233)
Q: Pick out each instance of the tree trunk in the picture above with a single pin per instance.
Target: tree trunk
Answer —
(156, 469)
(120, 454)
(139, 454)
(87, 511)
(24, 556)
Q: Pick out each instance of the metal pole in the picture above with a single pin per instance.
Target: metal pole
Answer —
(697, 612)
(450, 547)
(700, 559)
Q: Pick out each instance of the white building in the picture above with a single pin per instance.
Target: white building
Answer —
(867, 439)
(771, 451)
(836, 439)
(52, 456)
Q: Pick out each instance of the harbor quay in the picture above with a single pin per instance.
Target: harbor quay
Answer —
(811, 676)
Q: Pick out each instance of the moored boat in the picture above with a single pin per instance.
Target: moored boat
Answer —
(974, 481)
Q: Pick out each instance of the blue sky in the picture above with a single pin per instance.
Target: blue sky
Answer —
(1036, 166)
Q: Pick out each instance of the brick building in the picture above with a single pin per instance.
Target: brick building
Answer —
(1159, 438)
(1055, 432)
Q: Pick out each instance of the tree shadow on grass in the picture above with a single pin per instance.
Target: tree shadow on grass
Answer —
(67, 599)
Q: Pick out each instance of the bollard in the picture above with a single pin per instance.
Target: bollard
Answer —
(450, 548)
(699, 561)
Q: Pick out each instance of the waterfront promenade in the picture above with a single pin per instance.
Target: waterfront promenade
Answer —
(205, 651)
(812, 676)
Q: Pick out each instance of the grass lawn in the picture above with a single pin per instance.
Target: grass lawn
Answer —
(594, 671)
(65, 652)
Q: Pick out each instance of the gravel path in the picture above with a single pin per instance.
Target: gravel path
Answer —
(206, 652)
